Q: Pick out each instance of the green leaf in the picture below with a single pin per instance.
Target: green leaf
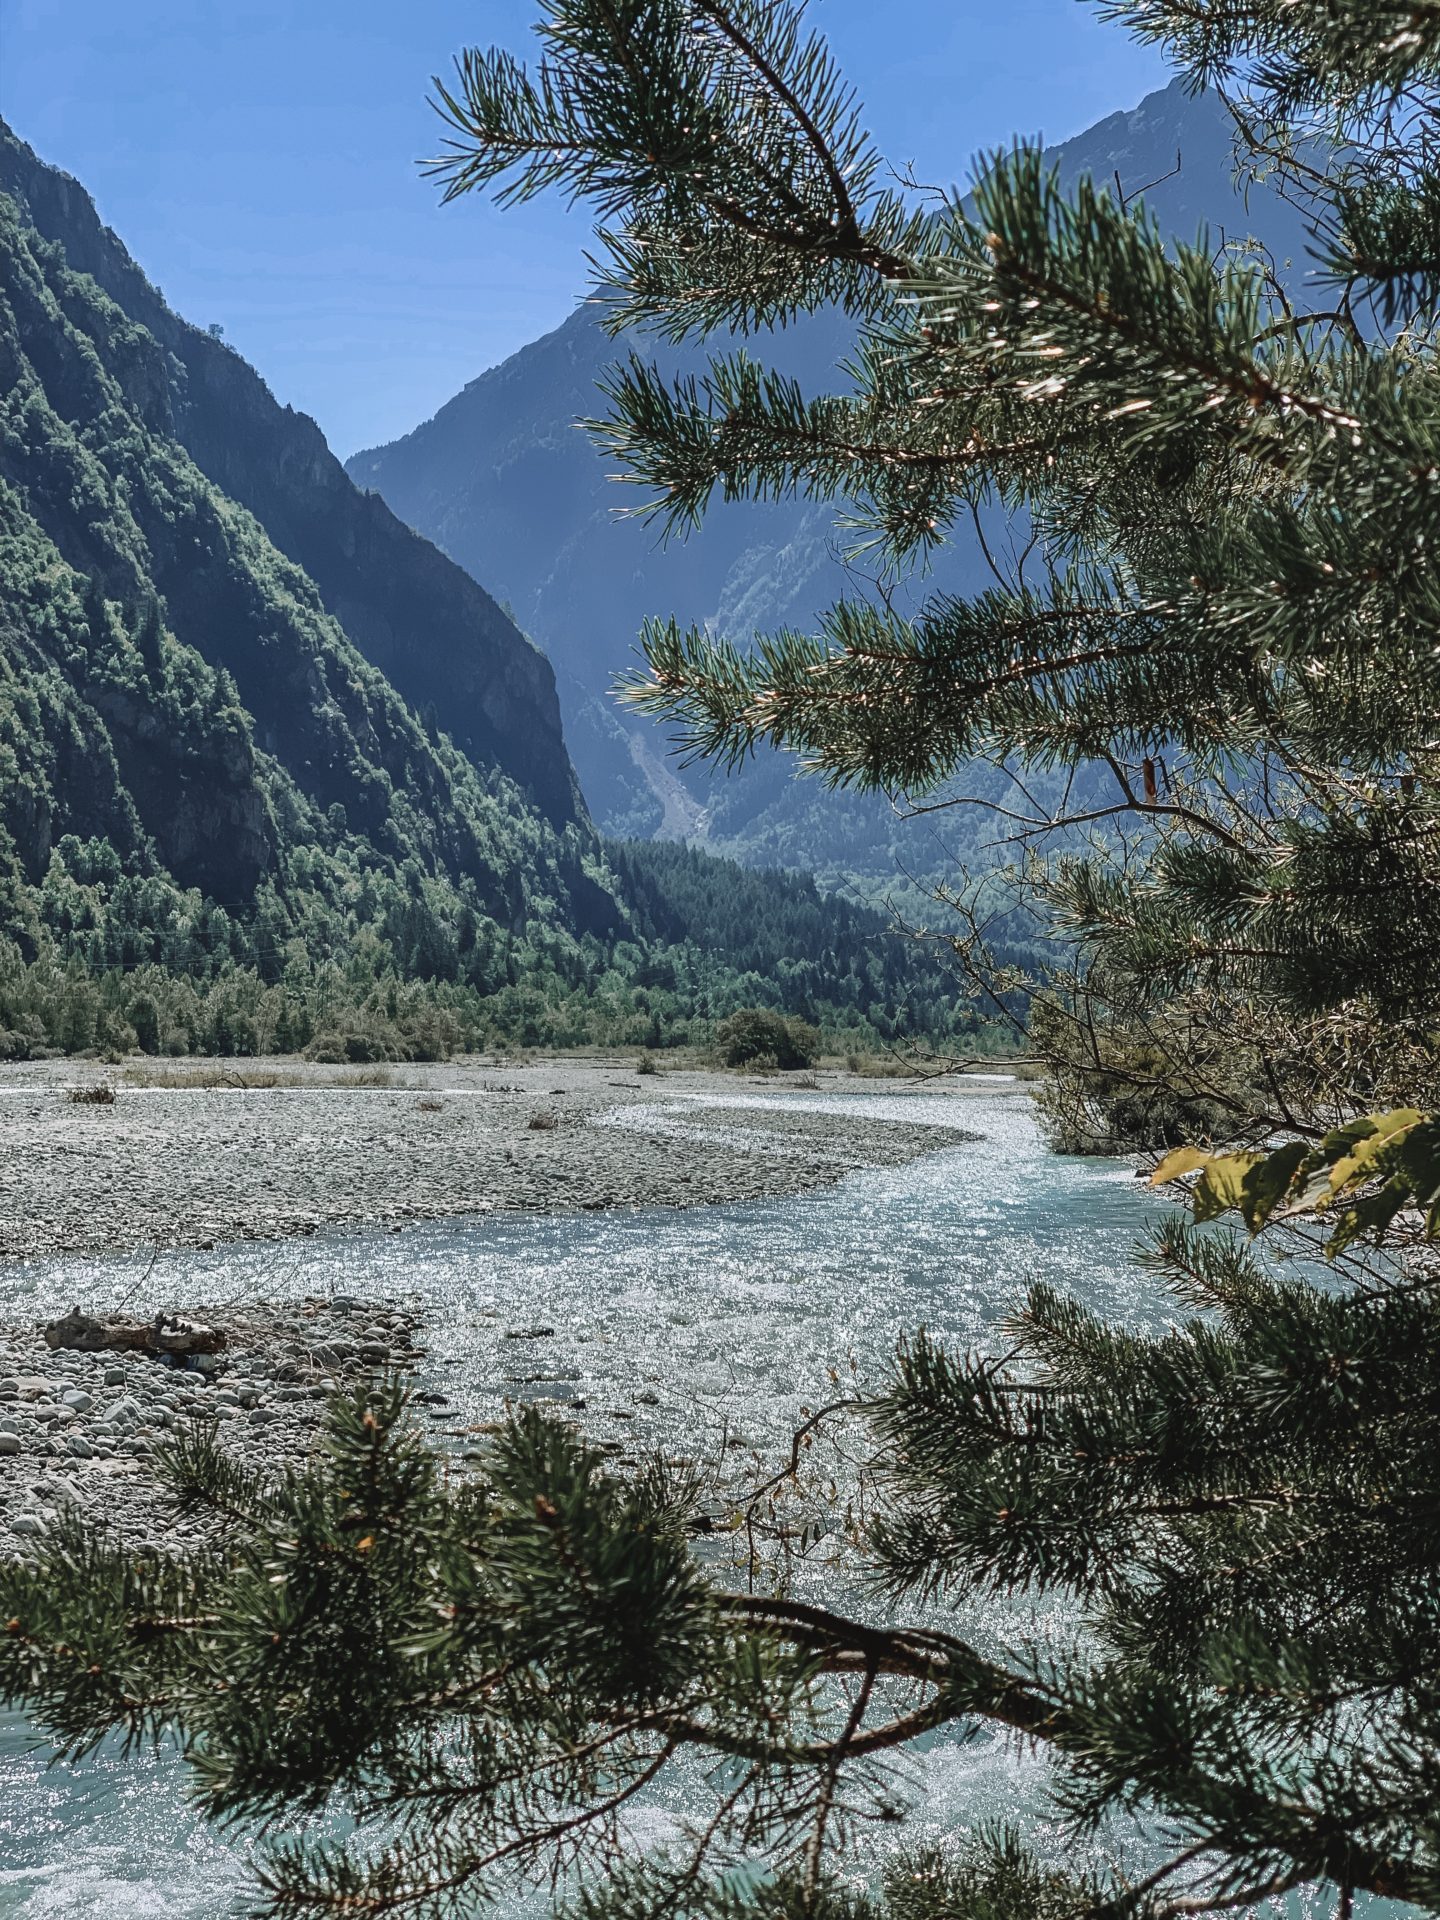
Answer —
(1400, 1149)
(1373, 1214)
(1270, 1180)
(1356, 1150)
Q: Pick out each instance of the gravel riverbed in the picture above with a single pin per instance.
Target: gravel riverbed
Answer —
(78, 1430)
(185, 1164)
(190, 1165)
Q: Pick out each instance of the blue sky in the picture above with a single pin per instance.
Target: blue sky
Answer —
(258, 158)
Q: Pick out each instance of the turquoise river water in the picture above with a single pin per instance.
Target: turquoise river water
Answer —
(723, 1321)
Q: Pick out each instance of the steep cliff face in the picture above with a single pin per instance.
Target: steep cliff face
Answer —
(436, 634)
(177, 681)
(504, 482)
(88, 745)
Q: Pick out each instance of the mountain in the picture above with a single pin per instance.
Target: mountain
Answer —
(276, 773)
(503, 480)
(214, 648)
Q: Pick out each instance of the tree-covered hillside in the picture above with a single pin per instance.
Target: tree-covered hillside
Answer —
(786, 945)
(176, 688)
(222, 826)
(435, 634)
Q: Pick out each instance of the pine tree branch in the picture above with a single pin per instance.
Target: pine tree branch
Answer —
(848, 239)
(815, 1851)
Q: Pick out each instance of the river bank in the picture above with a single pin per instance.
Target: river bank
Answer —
(78, 1430)
(205, 1153)
(167, 1168)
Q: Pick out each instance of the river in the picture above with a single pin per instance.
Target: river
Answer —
(709, 1328)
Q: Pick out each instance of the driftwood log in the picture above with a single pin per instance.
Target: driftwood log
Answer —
(166, 1333)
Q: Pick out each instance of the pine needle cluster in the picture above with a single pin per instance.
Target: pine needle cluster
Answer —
(1226, 467)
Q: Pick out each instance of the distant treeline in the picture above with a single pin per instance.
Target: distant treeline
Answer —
(119, 962)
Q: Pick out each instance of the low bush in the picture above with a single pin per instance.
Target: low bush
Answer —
(97, 1093)
(753, 1035)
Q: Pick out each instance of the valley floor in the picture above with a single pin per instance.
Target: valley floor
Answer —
(177, 1160)
(196, 1154)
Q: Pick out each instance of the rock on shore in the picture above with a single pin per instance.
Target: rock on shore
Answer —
(77, 1429)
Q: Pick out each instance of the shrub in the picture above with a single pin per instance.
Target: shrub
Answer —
(98, 1093)
(752, 1033)
(1120, 1093)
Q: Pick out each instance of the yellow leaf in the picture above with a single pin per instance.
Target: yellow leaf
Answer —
(1182, 1160)
(1367, 1140)
(1221, 1187)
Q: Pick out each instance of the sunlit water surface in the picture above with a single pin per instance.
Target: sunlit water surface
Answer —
(707, 1327)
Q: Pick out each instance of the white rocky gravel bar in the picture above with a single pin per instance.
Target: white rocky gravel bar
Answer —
(183, 1165)
(189, 1166)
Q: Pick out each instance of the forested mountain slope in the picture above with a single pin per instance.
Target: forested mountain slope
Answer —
(181, 686)
(502, 479)
(773, 939)
(437, 636)
(266, 756)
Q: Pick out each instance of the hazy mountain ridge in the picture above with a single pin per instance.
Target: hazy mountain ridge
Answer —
(505, 483)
